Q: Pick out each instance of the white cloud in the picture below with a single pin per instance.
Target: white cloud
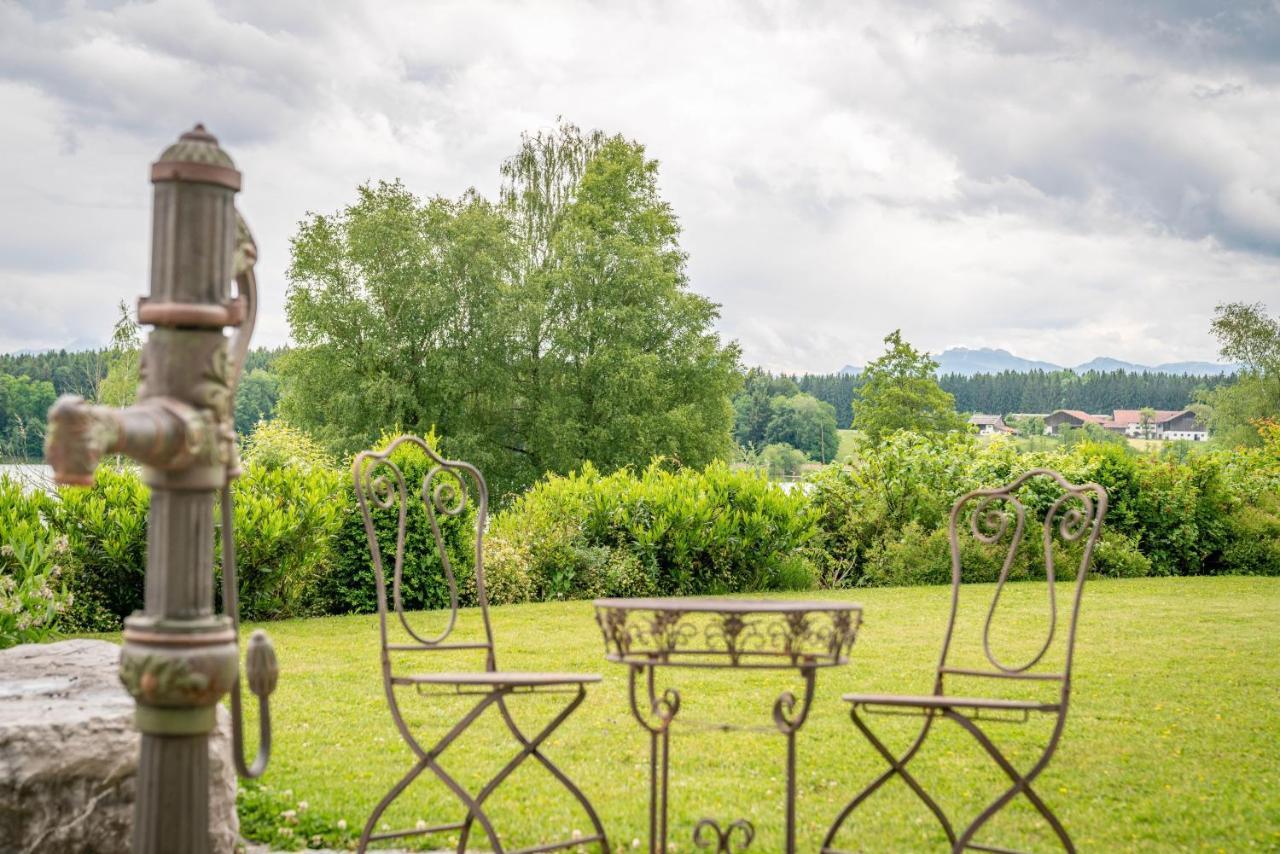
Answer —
(1063, 184)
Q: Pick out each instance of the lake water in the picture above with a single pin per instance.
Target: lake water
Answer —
(32, 476)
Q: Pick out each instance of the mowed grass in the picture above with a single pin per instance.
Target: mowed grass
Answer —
(1172, 742)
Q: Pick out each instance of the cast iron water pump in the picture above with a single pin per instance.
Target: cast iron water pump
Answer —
(180, 658)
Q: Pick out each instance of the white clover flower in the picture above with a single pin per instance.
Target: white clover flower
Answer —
(342, 824)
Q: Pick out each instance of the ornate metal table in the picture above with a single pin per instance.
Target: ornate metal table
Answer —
(646, 634)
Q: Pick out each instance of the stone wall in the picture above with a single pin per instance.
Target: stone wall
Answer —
(69, 754)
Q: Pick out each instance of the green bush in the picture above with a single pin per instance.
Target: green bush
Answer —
(32, 589)
(1253, 545)
(285, 521)
(1118, 556)
(680, 532)
(348, 586)
(105, 526)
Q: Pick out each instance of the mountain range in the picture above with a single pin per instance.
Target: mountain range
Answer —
(962, 360)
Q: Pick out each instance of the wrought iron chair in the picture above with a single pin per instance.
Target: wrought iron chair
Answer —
(444, 491)
(1075, 514)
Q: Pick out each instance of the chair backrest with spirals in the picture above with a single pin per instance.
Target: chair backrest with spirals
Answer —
(389, 498)
(1016, 536)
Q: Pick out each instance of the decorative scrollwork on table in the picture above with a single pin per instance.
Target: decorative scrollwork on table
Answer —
(703, 632)
(708, 834)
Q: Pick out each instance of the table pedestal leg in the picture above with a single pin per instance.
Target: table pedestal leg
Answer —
(662, 709)
(789, 715)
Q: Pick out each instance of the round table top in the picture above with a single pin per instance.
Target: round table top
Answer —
(714, 631)
(725, 605)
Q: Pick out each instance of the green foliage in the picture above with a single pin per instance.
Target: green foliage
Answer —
(256, 399)
(24, 403)
(678, 532)
(1119, 556)
(349, 587)
(900, 392)
(32, 590)
(881, 517)
(1093, 391)
(771, 410)
(400, 309)
(287, 823)
(70, 373)
(277, 444)
(1248, 335)
(552, 329)
(119, 387)
(105, 526)
(637, 369)
(781, 460)
(285, 518)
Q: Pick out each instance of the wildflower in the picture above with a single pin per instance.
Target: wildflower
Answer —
(302, 806)
(290, 816)
(285, 831)
(6, 550)
(421, 825)
(342, 824)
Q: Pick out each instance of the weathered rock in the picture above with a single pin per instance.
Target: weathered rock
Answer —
(69, 754)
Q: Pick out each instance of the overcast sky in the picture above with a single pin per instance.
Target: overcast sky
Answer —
(1061, 179)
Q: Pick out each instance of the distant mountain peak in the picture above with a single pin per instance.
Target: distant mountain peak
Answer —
(991, 360)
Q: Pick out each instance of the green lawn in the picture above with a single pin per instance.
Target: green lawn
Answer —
(1173, 741)
(848, 444)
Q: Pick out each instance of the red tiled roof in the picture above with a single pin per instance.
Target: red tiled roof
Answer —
(1083, 416)
(1125, 417)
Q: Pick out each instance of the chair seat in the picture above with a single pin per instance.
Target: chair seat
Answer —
(497, 678)
(934, 701)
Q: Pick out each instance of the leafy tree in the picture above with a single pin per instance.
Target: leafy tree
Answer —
(256, 399)
(805, 423)
(782, 460)
(1146, 421)
(1248, 335)
(632, 367)
(554, 328)
(401, 316)
(120, 385)
(900, 392)
(23, 405)
(754, 406)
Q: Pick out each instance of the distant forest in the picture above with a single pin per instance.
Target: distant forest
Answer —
(1035, 391)
(30, 382)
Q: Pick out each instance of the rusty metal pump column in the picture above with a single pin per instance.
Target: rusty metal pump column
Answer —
(179, 657)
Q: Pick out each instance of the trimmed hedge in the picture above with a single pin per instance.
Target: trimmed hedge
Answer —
(77, 559)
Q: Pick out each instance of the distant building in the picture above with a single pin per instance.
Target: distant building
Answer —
(989, 425)
(1055, 422)
(1162, 424)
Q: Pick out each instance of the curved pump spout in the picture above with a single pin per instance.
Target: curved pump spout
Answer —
(159, 432)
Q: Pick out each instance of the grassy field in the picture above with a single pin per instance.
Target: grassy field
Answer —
(1173, 741)
(848, 444)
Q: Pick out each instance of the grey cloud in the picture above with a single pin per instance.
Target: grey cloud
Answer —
(1062, 180)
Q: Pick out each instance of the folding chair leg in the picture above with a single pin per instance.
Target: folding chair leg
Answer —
(427, 759)
(560, 775)
(530, 748)
(1021, 784)
(390, 796)
(897, 766)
